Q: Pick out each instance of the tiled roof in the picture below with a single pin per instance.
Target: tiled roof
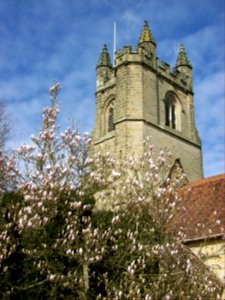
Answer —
(202, 210)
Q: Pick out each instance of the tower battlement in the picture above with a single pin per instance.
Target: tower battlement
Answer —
(140, 55)
(161, 68)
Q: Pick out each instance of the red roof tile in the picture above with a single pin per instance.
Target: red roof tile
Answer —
(203, 207)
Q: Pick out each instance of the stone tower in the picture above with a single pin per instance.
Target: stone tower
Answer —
(139, 97)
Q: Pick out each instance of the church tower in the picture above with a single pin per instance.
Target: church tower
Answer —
(139, 97)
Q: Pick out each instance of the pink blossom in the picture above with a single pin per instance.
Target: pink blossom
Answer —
(115, 173)
(54, 88)
(77, 137)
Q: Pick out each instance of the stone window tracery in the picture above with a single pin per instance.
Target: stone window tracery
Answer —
(109, 117)
(172, 112)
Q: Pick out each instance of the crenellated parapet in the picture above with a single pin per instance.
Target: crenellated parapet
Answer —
(174, 76)
(141, 55)
(179, 75)
(145, 54)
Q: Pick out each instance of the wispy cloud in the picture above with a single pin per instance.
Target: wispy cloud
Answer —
(210, 121)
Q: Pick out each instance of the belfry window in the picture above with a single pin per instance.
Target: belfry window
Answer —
(170, 112)
(111, 125)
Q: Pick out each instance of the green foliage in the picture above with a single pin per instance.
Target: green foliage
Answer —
(10, 198)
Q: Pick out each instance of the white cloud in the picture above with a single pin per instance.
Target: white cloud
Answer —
(130, 17)
(214, 156)
(25, 119)
(209, 103)
(210, 87)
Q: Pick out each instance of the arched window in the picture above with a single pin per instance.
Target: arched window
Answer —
(109, 117)
(172, 112)
(111, 125)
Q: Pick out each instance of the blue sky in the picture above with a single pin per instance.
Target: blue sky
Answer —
(44, 41)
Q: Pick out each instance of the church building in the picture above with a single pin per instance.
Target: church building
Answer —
(139, 96)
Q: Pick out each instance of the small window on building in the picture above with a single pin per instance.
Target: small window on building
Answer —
(111, 125)
(109, 117)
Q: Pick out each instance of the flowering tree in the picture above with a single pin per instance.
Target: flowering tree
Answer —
(49, 222)
(62, 246)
